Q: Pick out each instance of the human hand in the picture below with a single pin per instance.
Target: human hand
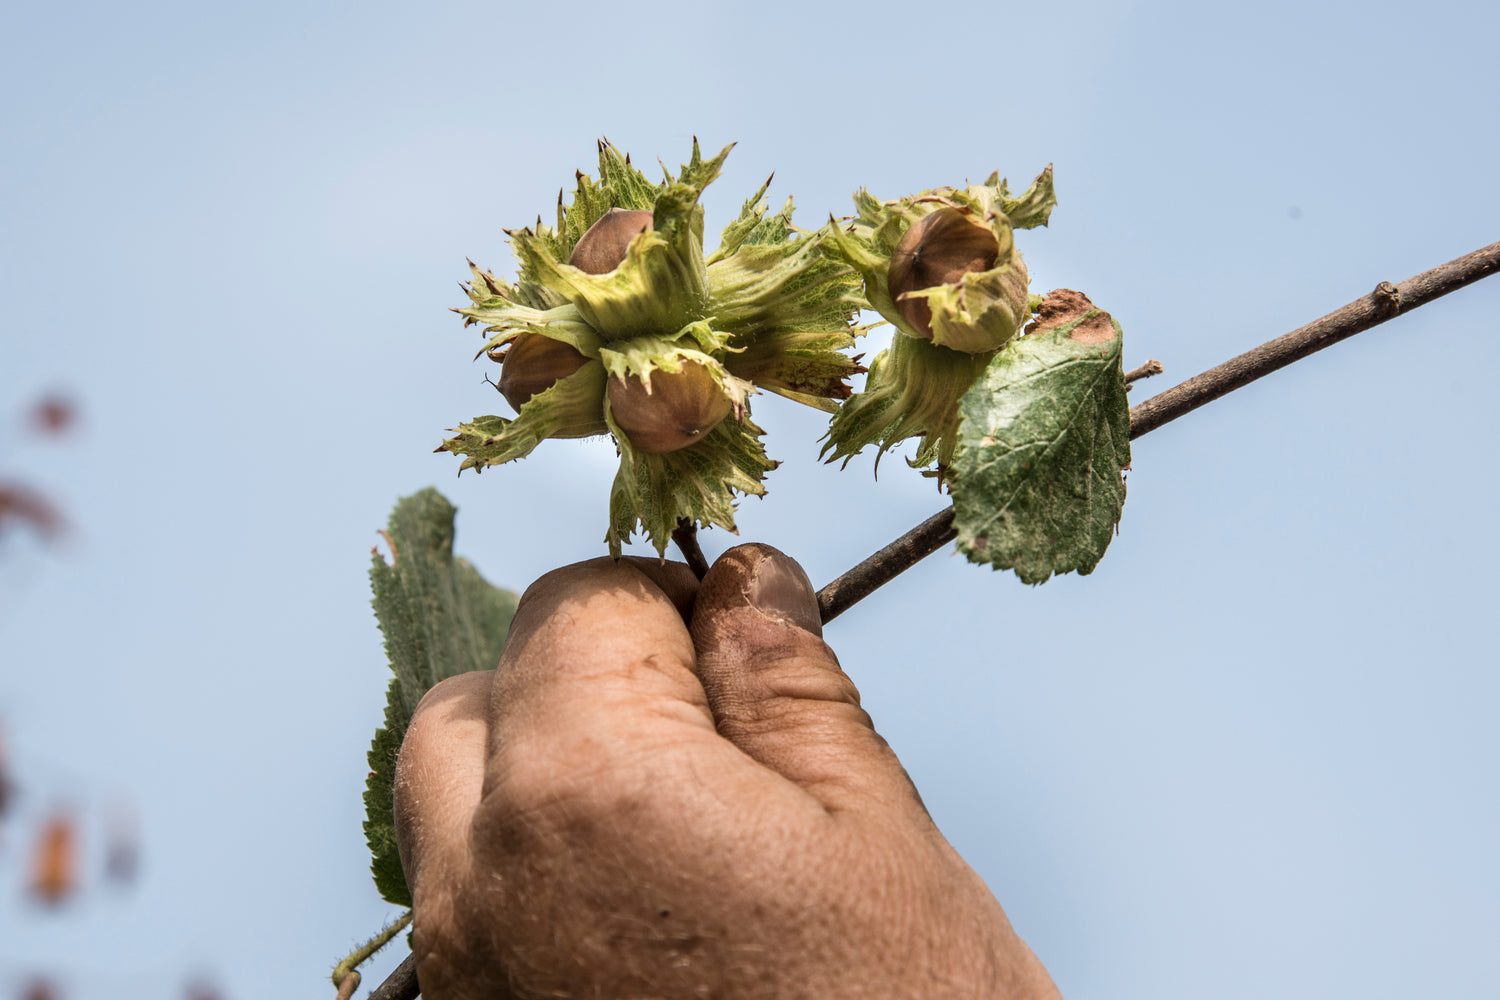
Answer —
(668, 789)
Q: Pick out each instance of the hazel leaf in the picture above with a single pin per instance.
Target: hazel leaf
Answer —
(440, 618)
(380, 805)
(1037, 477)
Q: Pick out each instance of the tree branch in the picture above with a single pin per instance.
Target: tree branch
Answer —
(1150, 368)
(1387, 301)
(401, 984)
(897, 557)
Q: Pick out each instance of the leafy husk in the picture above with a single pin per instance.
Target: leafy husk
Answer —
(660, 285)
(986, 309)
(698, 482)
(572, 407)
(912, 391)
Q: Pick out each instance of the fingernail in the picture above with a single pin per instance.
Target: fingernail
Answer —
(781, 589)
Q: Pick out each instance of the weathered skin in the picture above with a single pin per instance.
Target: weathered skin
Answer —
(670, 790)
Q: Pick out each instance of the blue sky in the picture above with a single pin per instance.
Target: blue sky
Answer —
(1253, 754)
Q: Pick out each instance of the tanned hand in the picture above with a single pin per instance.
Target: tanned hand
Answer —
(669, 790)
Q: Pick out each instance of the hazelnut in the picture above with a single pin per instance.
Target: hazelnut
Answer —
(532, 364)
(939, 249)
(604, 246)
(678, 410)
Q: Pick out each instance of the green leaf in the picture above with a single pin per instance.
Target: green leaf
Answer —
(440, 618)
(1044, 439)
(380, 825)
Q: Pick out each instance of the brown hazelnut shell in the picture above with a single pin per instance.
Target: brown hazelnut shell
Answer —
(680, 409)
(533, 363)
(604, 246)
(939, 249)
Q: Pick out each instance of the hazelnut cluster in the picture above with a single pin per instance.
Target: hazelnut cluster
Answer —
(943, 268)
(619, 324)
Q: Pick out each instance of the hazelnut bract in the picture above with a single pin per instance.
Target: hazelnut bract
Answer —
(533, 363)
(603, 247)
(939, 249)
(680, 408)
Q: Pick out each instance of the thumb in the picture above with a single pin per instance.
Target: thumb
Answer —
(776, 690)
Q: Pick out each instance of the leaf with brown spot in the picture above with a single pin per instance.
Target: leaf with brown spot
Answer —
(1037, 477)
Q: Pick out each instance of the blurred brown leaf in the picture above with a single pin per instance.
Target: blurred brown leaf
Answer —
(54, 414)
(39, 989)
(202, 991)
(22, 504)
(54, 869)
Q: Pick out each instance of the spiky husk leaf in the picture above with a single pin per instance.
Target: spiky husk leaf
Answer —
(698, 482)
(789, 306)
(641, 356)
(505, 322)
(573, 407)
(913, 390)
(620, 185)
(661, 283)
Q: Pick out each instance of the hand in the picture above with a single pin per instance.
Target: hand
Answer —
(669, 790)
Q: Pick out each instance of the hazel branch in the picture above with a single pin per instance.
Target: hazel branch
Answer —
(401, 984)
(1386, 302)
(1152, 367)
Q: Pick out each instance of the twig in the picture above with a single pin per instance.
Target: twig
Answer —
(345, 969)
(1386, 302)
(400, 984)
(902, 554)
(686, 537)
(348, 985)
(1152, 367)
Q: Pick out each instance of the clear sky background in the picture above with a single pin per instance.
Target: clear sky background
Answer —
(1252, 755)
